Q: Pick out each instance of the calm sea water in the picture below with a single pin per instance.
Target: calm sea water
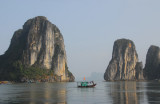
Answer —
(122, 92)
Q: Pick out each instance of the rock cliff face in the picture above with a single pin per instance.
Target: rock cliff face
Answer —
(124, 62)
(139, 71)
(39, 44)
(152, 66)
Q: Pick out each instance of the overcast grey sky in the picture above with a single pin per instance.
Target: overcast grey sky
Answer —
(89, 27)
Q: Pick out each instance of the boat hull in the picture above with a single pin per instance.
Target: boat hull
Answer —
(89, 86)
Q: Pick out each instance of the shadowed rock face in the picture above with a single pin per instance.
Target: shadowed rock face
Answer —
(41, 44)
(139, 71)
(152, 66)
(123, 63)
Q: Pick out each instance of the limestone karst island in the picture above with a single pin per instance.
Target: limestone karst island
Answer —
(124, 64)
(36, 53)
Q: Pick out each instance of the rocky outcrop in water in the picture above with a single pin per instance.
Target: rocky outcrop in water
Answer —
(152, 66)
(124, 64)
(36, 50)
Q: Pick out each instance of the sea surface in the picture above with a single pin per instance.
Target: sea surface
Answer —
(122, 92)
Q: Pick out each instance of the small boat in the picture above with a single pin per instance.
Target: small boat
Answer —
(4, 82)
(86, 84)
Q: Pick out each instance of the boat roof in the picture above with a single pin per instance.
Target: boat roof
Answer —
(84, 81)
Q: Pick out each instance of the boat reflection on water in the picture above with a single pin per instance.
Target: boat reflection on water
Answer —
(127, 92)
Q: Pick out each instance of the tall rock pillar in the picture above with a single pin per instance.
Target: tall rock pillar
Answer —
(123, 63)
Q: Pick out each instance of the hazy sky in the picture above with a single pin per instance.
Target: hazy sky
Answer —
(89, 27)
